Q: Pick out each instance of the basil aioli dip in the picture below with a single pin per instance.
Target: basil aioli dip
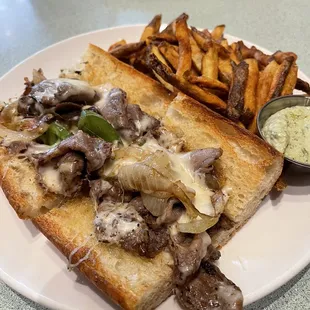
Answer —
(288, 131)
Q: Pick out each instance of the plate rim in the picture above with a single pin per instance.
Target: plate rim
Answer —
(53, 304)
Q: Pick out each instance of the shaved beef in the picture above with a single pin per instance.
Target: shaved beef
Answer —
(171, 213)
(204, 158)
(219, 200)
(145, 238)
(128, 119)
(17, 147)
(102, 190)
(71, 167)
(51, 93)
(95, 150)
(209, 289)
(188, 255)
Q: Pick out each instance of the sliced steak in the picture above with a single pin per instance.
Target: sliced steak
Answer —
(95, 150)
(104, 191)
(71, 168)
(52, 92)
(202, 159)
(188, 255)
(128, 119)
(209, 289)
(130, 226)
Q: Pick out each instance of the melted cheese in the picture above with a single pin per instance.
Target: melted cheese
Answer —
(51, 178)
(181, 170)
(114, 223)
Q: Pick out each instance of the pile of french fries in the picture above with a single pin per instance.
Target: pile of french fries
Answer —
(232, 79)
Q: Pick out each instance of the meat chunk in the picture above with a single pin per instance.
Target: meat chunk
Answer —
(128, 119)
(202, 159)
(172, 212)
(104, 191)
(188, 255)
(130, 225)
(52, 92)
(219, 201)
(17, 147)
(209, 289)
(95, 150)
(71, 167)
(63, 176)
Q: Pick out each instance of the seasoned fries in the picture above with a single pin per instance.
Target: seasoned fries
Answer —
(235, 104)
(250, 90)
(217, 32)
(197, 53)
(171, 53)
(117, 44)
(303, 86)
(290, 81)
(185, 52)
(279, 78)
(206, 82)
(123, 51)
(210, 64)
(228, 77)
(152, 28)
(181, 83)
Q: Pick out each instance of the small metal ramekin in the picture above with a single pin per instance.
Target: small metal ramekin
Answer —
(276, 105)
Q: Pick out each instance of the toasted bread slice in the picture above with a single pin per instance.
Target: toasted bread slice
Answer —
(249, 166)
(19, 183)
(130, 280)
(102, 68)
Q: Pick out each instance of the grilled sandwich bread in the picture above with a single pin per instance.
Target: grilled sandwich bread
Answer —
(248, 167)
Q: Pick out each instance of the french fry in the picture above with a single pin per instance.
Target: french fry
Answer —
(303, 86)
(126, 50)
(235, 104)
(279, 78)
(185, 52)
(262, 91)
(217, 92)
(170, 29)
(235, 53)
(290, 81)
(225, 71)
(279, 56)
(224, 43)
(117, 44)
(209, 67)
(155, 51)
(171, 53)
(241, 125)
(206, 82)
(264, 83)
(217, 32)
(204, 42)
(197, 53)
(201, 38)
(188, 88)
(207, 33)
(250, 91)
(163, 36)
(152, 28)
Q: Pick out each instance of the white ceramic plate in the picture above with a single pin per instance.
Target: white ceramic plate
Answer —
(266, 253)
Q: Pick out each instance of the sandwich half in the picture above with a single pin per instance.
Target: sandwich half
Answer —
(244, 170)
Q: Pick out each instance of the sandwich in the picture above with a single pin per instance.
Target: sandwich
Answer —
(138, 187)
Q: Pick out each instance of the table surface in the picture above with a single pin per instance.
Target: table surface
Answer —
(28, 26)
